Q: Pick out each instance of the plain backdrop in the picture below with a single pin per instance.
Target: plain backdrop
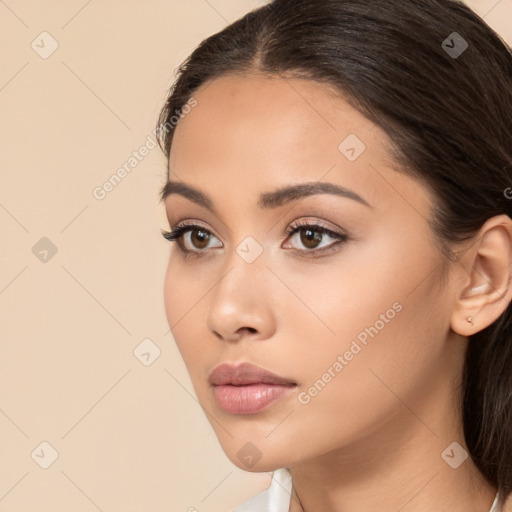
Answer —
(96, 408)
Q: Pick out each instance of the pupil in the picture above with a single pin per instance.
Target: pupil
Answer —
(310, 238)
(202, 237)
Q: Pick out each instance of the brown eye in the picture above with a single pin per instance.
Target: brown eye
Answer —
(310, 238)
(199, 238)
(191, 238)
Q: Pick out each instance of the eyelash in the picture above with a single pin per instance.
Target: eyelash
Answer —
(180, 230)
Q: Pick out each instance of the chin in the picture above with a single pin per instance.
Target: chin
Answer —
(255, 457)
(259, 467)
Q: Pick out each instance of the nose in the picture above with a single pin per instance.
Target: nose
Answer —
(241, 304)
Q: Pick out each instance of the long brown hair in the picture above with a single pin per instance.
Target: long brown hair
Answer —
(438, 80)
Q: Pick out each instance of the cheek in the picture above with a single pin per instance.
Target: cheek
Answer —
(338, 298)
(185, 289)
(376, 338)
(356, 389)
(173, 290)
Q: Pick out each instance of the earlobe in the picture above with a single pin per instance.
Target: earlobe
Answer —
(487, 287)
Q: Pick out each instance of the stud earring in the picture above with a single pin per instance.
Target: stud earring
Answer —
(470, 320)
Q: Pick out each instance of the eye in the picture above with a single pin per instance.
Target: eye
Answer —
(191, 238)
(194, 239)
(312, 235)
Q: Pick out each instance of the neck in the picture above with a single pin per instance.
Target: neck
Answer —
(423, 483)
(398, 468)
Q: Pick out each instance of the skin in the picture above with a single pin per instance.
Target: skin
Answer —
(372, 438)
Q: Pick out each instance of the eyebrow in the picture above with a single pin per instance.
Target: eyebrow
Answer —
(267, 200)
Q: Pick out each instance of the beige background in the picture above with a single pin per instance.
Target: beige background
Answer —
(129, 437)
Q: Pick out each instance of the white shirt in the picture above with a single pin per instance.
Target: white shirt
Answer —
(277, 497)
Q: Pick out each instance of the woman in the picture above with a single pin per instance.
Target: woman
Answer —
(339, 283)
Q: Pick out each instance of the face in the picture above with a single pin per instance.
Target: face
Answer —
(337, 294)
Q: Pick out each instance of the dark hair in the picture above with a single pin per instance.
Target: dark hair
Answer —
(447, 114)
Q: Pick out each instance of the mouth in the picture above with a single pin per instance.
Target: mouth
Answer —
(247, 389)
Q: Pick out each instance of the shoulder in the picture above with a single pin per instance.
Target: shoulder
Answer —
(276, 497)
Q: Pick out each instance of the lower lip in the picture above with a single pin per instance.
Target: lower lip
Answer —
(248, 399)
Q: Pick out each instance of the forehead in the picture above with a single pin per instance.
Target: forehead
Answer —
(254, 133)
(265, 115)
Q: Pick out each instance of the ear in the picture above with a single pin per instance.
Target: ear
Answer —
(486, 288)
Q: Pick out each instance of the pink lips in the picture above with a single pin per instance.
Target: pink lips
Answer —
(246, 389)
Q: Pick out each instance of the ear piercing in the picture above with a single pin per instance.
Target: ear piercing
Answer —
(470, 320)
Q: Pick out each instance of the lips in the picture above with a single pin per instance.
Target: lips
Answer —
(247, 389)
(245, 375)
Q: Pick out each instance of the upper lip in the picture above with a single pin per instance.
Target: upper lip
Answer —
(244, 374)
